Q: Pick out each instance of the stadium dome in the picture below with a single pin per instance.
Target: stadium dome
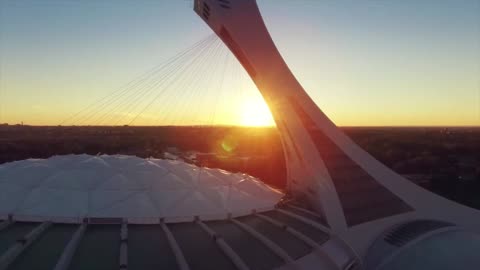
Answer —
(73, 187)
(56, 213)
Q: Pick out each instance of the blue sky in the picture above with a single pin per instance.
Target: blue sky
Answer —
(365, 62)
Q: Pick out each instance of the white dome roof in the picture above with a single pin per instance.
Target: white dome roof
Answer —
(70, 188)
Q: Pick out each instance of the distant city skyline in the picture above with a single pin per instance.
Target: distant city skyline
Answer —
(365, 63)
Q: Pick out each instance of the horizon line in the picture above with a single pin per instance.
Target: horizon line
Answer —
(245, 126)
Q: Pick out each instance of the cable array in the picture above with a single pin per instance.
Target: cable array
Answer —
(194, 87)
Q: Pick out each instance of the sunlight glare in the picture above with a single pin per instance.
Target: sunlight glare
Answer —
(255, 112)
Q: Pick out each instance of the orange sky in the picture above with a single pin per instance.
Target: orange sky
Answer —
(395, 63)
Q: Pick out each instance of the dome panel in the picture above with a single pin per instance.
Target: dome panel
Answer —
(136, 204)
(26, 175)
(119, 182)
(10, 197)
(101, 199)
(206, 179)
(196, 202)
(74, 179)
(167, 182)
(47, 202)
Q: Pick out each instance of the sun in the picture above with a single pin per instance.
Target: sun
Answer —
(255, 113)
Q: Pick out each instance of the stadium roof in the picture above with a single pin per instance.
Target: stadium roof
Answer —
(70, 188)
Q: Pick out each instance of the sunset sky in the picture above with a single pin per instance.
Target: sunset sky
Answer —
(364, 62)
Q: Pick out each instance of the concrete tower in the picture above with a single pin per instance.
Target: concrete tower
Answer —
(358, 196)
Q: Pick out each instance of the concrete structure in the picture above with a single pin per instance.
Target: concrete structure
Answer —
(359, 198)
